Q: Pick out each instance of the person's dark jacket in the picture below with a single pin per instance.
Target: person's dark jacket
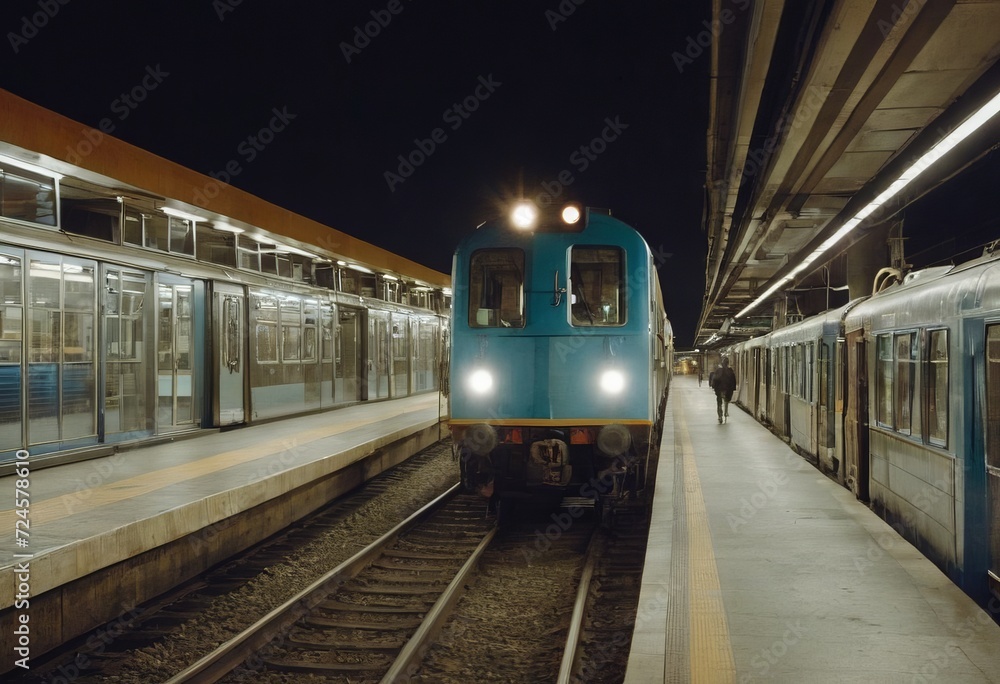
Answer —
(724, 379)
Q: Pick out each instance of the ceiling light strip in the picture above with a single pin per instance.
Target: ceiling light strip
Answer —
(941, 148)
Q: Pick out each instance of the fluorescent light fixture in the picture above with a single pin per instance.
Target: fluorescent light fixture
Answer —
(356, 267)
(942, 147)
(177, 213)
(226, 228)
(389, 277)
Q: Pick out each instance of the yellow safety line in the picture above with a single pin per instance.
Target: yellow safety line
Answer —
(545, 422)
(89, 498)
(711, 650)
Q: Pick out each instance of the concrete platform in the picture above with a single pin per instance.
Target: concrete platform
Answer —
(107, 534)
(759, 568)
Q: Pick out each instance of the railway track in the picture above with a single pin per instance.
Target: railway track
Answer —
(371, 616)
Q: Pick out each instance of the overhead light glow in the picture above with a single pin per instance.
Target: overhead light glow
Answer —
(942, 147)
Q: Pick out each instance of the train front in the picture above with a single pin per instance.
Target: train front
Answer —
(553, 349)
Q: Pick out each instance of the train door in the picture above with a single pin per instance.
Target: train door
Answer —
(127, 410)
(378, 354)
(400, 355)
(175, 354)
(229, 331)
(856, 418)
(991, 435)
(349, 355)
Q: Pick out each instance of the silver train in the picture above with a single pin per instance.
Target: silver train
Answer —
(124, 319)
(897, 397)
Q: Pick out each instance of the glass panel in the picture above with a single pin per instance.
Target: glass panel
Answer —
(905, 361)
(496, 289)
(165, 357)
(79, 287)
(78, 337)
(43, 402)
(181, 236)
(216, 246)
(937, 387)
(44, 336)
(883, 387)
(78, 419)
(133, 227)
(156, 229)
(598, 296)
(309, 343)
(184, 390)
(10, 334)
(27, 196)
(133, 397)
(400, 345)
(10, 407)
(290, 343)
(824, 362)
(327, 327)
(45, 283)
(10, 279)
(89, 214)
(112, 397)
(291, 329)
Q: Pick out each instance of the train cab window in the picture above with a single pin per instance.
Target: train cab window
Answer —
(496, 289)
(597, 296)
(937, 387)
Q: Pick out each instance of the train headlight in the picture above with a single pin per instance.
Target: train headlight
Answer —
(571, 214)
(481, 381)
(524, 215)
(612, 381)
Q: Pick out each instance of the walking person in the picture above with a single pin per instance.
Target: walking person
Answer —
(723, 381)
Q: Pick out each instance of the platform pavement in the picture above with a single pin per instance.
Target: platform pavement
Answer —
(761, 569)
(145, 519)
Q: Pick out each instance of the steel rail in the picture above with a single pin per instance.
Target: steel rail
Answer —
(579, 612)
(228, 656)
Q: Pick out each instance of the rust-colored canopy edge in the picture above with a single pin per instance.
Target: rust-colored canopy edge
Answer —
(72, 149)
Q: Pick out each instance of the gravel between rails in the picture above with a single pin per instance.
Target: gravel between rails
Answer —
(231, 613)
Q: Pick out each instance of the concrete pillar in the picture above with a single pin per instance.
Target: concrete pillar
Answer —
(865, 258)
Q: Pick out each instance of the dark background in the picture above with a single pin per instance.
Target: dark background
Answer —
(563, 69)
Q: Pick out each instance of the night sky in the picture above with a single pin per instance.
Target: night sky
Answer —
(408, 123)
(497, 98)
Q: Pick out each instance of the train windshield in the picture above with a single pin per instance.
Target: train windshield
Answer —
(598, 287)
(496, 289)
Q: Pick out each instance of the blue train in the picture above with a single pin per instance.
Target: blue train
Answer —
(896, 396)
(561, 356)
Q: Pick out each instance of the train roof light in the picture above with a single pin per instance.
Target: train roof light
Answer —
(571, 213)
(524, 215)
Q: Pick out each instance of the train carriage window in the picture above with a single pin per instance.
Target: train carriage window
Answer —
(598, 290)
(266, 328)
(291, 329)
(883, 389)
(496, 289)
(906, 359)
(937, 387)
(27, 196)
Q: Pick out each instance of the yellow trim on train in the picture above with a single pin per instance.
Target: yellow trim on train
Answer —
(548, 422)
